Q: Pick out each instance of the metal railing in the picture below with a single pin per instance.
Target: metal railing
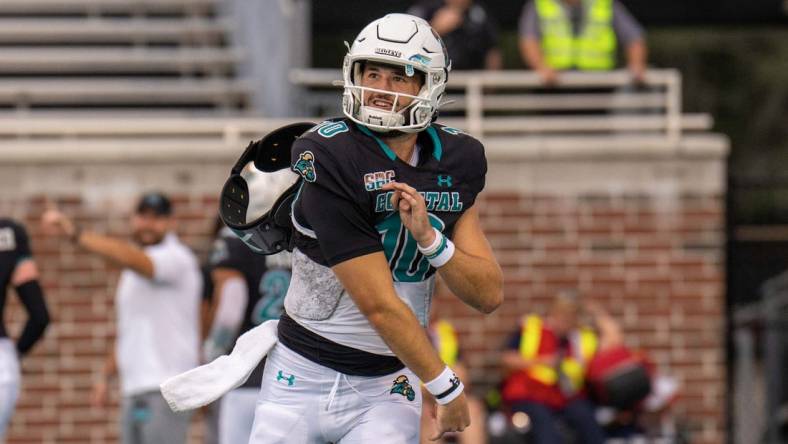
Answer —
(516, 118)
(495, 102)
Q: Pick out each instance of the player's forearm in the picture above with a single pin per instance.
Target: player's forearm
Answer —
(121, 252)
(367, 279)
(475, 280)
(32, 298)
(401, 331)
(232, 294)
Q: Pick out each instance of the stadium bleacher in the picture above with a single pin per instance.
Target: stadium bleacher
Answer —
(167, 71)
(118, 54)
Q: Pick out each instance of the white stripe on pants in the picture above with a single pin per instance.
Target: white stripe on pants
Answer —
(302, 402)
(9, 383)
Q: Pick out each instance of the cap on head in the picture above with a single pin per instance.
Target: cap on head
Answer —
(156, 203)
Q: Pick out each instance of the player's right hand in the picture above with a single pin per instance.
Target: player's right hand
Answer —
(452, 417)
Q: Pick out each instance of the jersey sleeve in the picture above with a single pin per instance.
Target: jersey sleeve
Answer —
(626, 27)
(477, 175)
(330, 206)
(227, 253)
(528, 26)
(22, 243)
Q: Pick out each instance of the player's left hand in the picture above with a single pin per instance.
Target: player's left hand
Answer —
(56, 223)
(412, 211)
(452, 417)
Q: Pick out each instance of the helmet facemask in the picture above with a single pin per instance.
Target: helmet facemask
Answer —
(413, 117)
(404, 42)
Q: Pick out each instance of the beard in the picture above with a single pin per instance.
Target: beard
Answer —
(147, 237)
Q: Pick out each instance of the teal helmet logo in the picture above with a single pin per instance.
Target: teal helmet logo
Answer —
(424, 60)
(305, 166)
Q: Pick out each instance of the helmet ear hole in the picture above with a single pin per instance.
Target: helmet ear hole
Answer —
(357, 71)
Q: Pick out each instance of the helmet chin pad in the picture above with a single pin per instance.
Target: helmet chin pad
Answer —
(379, 117)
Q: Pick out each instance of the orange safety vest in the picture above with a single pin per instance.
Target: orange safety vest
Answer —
(447, 344)
(584, 344)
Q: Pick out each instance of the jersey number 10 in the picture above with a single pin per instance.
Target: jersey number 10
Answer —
(407, 264)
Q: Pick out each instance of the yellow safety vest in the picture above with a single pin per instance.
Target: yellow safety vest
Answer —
(448, 347)
(593, 49)
(572, 367)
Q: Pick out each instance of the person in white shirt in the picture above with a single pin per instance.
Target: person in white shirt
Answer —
(157, 304)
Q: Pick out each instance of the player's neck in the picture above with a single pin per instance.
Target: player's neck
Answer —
(402, 145)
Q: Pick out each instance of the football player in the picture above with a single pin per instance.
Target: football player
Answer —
(18, 269)
(387, 200)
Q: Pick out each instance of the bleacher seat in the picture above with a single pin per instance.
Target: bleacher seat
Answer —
(83, 55)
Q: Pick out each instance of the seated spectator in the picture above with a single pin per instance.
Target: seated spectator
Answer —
(559, 35)
(635, 397)
(545, 367)
(466, 28)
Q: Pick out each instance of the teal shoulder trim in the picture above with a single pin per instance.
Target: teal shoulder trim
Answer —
(22, 259)
(437, 151)
(389, 153)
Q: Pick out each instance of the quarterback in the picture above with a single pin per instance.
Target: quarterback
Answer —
(386, 201)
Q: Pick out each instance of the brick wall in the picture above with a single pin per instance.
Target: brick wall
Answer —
(658, 272)
(643, 236)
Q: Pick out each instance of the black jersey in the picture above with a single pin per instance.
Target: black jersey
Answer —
(14, 248)
(343, 210)
(267, 279)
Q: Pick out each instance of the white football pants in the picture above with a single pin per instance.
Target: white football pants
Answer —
(302, 402)
(9, 383)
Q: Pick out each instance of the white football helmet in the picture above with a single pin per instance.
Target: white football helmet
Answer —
(401, 40)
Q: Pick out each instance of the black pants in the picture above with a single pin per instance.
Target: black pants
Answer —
(578, 415)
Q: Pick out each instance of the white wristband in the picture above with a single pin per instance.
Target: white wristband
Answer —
(427, 251)
(446, 387)
(444, 256)
(440, 251)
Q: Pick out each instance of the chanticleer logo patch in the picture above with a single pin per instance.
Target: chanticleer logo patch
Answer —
(305, 166)
(403, 387)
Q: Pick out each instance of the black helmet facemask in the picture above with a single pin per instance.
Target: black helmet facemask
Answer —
(271, 232)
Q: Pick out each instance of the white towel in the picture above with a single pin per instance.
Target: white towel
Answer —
(202, 385)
